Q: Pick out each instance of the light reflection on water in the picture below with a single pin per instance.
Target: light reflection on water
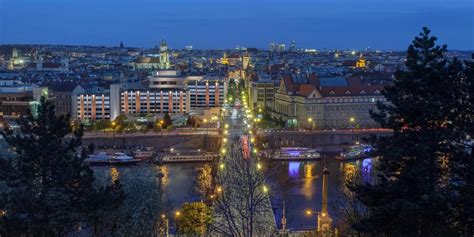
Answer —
(305, 192)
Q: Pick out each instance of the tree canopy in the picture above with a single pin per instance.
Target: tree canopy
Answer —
(425, 184)
(46, 188)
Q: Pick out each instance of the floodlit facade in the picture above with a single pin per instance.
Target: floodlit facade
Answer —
(167, 92)
(306, 103)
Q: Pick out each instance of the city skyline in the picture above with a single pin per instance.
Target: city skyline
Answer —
(225, 25)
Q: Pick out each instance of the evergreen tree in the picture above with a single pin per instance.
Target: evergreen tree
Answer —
(425, 172)
(46, 188)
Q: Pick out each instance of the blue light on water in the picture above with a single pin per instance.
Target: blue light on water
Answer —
(294, 169)
(366, 169)
(367, 165)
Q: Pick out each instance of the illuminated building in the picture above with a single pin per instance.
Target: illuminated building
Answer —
(281, 48)
(93, 106)
(330, 102)
(273, 46)
(147, 63)
(292, 46)
(164, 56)
(245, 61)
(262, 94)
(225, 60)
(16, 62)
(361, 62)
(17, 98)
(167, 92)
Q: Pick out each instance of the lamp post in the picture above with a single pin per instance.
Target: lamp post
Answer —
(205, 125)
(167, 223)
(177, 215)
(310, 122)
(113, 128)
(352, 121)
(161, 124)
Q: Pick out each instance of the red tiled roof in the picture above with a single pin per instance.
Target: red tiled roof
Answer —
(305, 89)
(314, 80)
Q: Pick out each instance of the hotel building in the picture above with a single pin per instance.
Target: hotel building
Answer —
(166, 91)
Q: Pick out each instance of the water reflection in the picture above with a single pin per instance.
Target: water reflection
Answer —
(308, 183)
(114, 174)
(294, 169)
(178, 181)
(367, 169)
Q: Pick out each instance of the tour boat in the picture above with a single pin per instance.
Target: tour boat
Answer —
(119, 158)
(143, 154)
(186, 156)
(355, 152)
(296, 153)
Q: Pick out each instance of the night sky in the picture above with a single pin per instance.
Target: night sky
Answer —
(331, 24)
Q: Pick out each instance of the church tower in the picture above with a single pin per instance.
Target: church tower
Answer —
(164, 55)
(361, 63)
(245, 61)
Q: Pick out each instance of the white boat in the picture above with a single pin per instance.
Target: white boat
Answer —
(101, 156)
(143, 154)
(296, 153)
(187, 156)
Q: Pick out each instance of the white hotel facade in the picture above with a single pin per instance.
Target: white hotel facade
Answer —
(167, 92)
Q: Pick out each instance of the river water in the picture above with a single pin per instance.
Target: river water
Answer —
(304, 192)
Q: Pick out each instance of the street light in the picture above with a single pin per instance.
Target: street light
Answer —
(161, 124)
(163, 216)
(352, 121)
(113, 128)
(310, 121)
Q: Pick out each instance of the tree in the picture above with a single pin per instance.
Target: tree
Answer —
(120, 123)
(167, 121)
(425, 170)
(46, 188)
(194, 219)
(242, 205)
(192, 121)
(101, 125)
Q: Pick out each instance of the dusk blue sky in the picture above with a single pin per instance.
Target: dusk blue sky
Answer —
(331, 24)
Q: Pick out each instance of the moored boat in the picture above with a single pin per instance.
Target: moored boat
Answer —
(119, 158)
(186, 156)
(358, 151)
(296, 153)
(146, 154)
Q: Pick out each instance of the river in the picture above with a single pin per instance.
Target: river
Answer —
(304, 192)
